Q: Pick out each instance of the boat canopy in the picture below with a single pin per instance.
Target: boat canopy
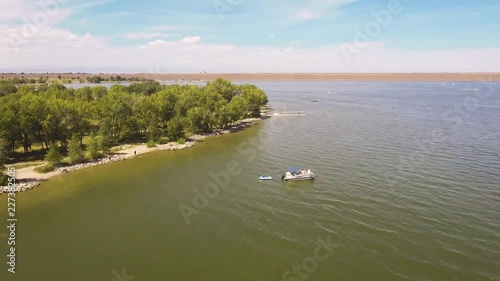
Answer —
(294, 169)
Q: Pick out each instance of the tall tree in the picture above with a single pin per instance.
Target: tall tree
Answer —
(7, 88)
(199, 120)
(93, 148)
(75, 151)
(175, 129)
(32, 112)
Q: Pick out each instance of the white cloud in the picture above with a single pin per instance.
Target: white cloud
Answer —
(62, 49)
(41, 37)
(41, 45)
(192, 41)
(31, 25)
(135, 36)
(47, 13)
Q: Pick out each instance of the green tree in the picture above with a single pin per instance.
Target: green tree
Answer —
(32, 112)
(99, 92)
(255, 98)
(223, 87)
(199, 120)
(53, 156)
(144, 112)
(53, 127)
(53, 114)
(115, 110)
(84, 93)
(144, 88)
(75, 151)
(93, 148)
(4, 151)
(153, 133)
(78, 118)
(175, 129)
(104, 142)
(164, 104)
(7, 88)
(222, 117)
(237, 109)
(10, 128)
(3, 159)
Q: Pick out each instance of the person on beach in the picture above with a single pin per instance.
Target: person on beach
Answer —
(135, 152)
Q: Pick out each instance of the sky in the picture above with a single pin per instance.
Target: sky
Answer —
(246, 36)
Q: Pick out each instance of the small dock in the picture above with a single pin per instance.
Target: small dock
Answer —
(290, 113)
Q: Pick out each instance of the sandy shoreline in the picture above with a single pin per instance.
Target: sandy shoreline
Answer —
(29, 173)
(410, 77)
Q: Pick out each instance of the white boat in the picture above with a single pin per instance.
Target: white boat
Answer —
(295, 174)
(265, 178)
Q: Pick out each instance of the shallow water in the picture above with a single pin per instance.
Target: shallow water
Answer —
(407, 189)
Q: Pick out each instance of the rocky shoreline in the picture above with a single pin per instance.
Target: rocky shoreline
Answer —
(30, 184)
(20, 187)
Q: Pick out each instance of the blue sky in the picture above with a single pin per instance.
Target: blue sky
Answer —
(295, 29)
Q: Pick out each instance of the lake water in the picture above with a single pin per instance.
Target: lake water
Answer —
(407, 188)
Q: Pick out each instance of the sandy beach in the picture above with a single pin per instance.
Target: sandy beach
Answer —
(235, 77)
(29, 173)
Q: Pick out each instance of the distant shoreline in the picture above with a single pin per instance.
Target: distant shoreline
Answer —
(251, 77)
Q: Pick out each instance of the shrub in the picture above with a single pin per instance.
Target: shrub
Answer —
(45, 169)
(53, 156)
(164, 140)
(181, 141)
(3, 179)
(150, 143)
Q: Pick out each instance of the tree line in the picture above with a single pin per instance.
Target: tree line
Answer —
(67, 80)
(53, 116)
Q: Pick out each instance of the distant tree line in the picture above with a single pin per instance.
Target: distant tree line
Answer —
(55, 116)
(90, 79)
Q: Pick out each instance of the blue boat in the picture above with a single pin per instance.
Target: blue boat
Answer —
(265, 178)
